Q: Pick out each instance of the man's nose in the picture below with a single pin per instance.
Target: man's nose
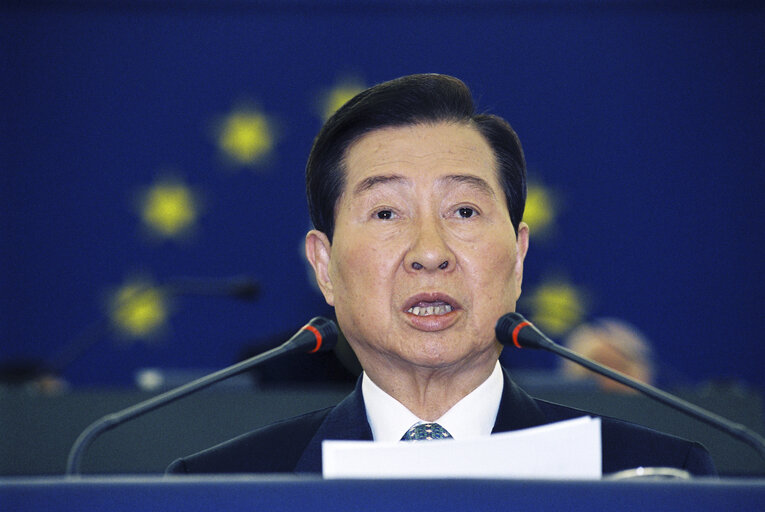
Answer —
(430, 250)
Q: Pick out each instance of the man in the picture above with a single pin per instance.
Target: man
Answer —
(419, 245)
(614, 343)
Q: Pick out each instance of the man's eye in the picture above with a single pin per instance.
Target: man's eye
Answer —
(466, 212)
(385, 214)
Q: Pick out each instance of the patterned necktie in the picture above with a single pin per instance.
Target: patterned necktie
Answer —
(426, 432)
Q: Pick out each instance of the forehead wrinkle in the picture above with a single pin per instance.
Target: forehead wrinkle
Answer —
(374, 181)
(475, 182)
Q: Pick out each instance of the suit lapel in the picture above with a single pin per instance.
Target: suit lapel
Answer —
(347, 421)
(517, 410)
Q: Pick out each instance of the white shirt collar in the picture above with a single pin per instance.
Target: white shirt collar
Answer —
(473, 416)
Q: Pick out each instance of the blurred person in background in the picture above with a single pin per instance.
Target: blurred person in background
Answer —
(616, 344)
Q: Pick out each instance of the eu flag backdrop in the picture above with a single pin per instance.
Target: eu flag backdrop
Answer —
(151, 143)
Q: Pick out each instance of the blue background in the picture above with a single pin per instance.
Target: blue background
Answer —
(645, 120)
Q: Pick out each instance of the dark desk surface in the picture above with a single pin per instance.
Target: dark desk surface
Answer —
(116, 494)
(38, 431)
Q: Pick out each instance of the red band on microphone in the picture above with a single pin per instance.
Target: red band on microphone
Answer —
(516, 331)
(316, 333)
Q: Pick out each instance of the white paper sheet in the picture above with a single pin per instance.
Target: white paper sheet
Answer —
(565, 450)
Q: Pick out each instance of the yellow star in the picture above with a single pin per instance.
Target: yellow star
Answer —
(338, 96)
(540, 209)
(138, 309)
(246, 136)
(169, 208)
(556, 306)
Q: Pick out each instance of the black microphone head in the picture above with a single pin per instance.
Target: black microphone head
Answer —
(513, 329)
(240, 288)
(244, 288)
(325, 333)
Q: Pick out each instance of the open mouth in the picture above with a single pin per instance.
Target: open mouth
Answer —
(431, 304)
(428, 309)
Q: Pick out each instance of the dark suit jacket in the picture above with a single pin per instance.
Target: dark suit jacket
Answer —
(294, 445)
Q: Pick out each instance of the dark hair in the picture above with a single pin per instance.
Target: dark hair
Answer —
(409, 100)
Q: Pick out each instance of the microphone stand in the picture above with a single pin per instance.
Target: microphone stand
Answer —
(241, 288)
(514, 329)
(715, 420)
(323, 334)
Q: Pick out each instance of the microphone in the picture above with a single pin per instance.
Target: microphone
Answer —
(243, 288)
(318, 335)
(513, 329)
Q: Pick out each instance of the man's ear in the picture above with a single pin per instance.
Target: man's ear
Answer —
(522, 247)
(318, 250)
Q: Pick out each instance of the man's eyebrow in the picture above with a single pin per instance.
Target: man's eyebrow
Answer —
(475, 182)
(373, 181)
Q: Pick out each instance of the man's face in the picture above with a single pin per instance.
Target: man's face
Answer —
(424, 258)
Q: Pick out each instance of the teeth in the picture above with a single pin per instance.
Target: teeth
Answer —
(430, 310)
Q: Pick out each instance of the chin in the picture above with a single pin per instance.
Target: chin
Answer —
(437, 356)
